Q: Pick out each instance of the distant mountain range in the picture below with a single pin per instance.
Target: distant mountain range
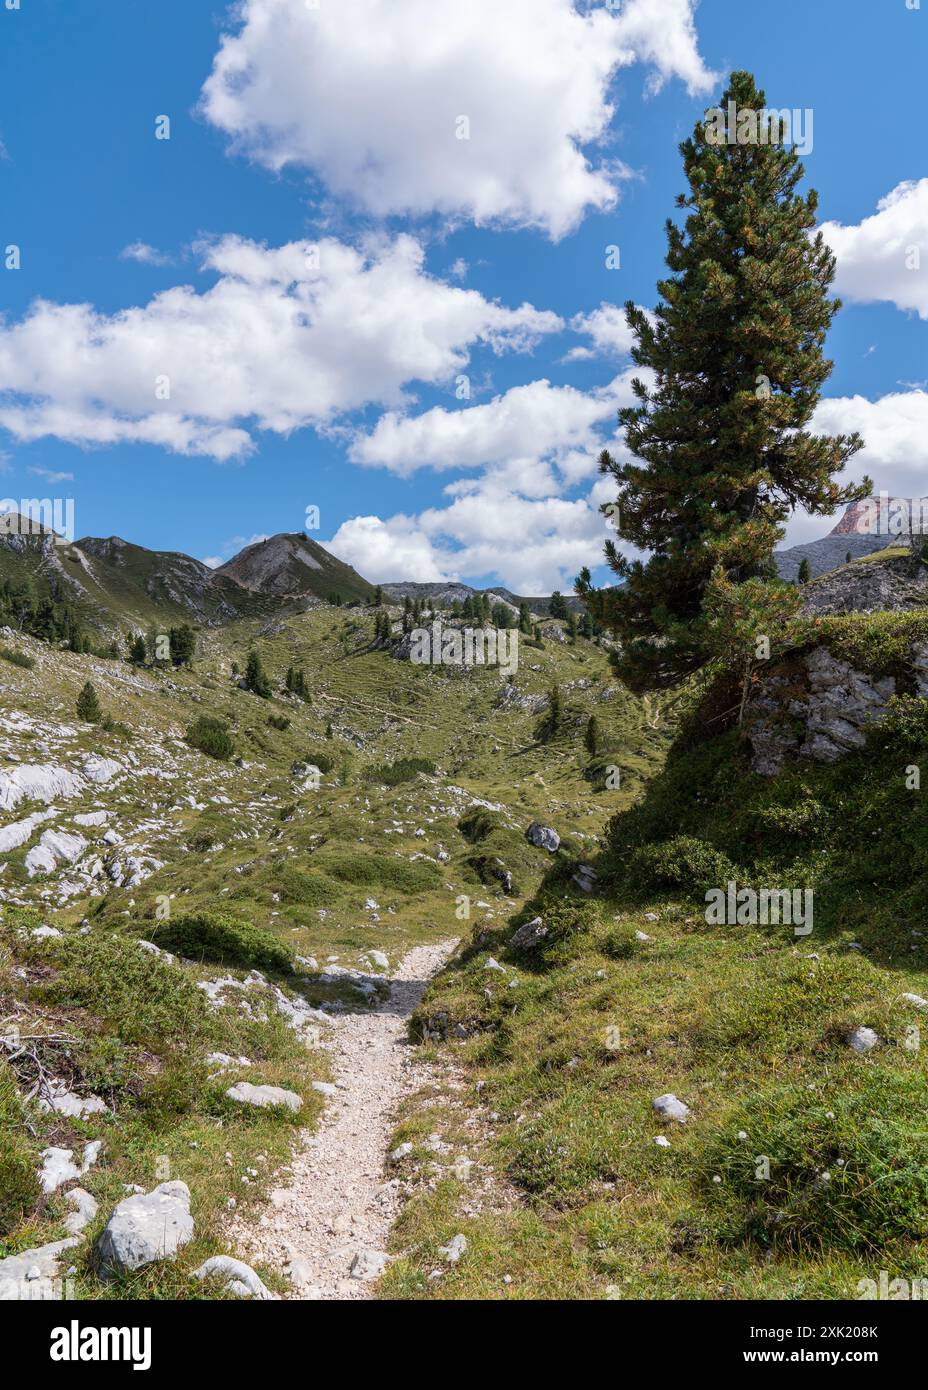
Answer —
(845, 538)
(113, 583)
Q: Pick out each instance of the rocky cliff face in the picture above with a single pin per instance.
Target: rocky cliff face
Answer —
(821, 712)
(879, 586)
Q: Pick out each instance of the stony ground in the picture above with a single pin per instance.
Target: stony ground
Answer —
(326, 1226)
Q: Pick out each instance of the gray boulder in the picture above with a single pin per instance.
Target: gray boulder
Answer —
(83, 1210)
(529, 935)
(543, 837)
(863, 1039)
(142, 1229)
(263, 1096)
(368, 1264)
(670, 1108)
(235, 1275)
(32, 1275)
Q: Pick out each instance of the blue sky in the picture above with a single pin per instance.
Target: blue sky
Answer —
(282, 300)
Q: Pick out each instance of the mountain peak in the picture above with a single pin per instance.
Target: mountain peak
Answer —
(290, 565)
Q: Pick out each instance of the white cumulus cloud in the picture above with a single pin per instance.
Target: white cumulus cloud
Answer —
(518, 431)
(475, 109)
(285, 337)
(885, 257)
(531, 545)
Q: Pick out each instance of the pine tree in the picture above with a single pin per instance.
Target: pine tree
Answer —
(255, 678)
(88, 706)
(721, 452)
(290, 680)
(137, 649)
(555, 712)
(557, 605)
(805, 571)
(592, 735)
(182, 644)
(847, 558)
(525, 619)
(378, 597)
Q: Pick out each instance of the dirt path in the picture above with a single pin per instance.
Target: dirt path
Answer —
(337, 1204)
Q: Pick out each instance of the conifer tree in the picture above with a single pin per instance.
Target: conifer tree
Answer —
(255, 678)
(721, 452)
(88, 706)
(805, 571)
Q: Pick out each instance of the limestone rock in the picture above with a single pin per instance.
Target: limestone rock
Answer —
(31, 1275)
(670, 1108)
(237, 1277)
(368, 1264)
(863, 1039)
(247, 1094)
(529, 935)
(543, 837)
(142, 1229)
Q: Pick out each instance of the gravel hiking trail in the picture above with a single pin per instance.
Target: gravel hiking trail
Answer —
(337, 1208)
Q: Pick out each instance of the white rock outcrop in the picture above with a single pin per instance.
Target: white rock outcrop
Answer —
(144, 1228)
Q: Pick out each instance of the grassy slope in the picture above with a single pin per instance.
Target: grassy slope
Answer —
(302, 865)
(551, 1094)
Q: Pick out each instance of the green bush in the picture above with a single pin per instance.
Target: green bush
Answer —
(383, 871)
(211, 736)
(280, 722)
(222, 940)
(317, 757)
(477, 823)
(862, 1137)
(145, 1000)
(309, 890)
(681, 863)
(17, 658)
(403, 770)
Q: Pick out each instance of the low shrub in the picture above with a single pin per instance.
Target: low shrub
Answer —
(145, 1000)
(17, 658)
(403, 770)
(317, 757)
(477, 823)
(681, 863)
(307, 889)
(383, 871)
(211, 736)
(222, 940)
